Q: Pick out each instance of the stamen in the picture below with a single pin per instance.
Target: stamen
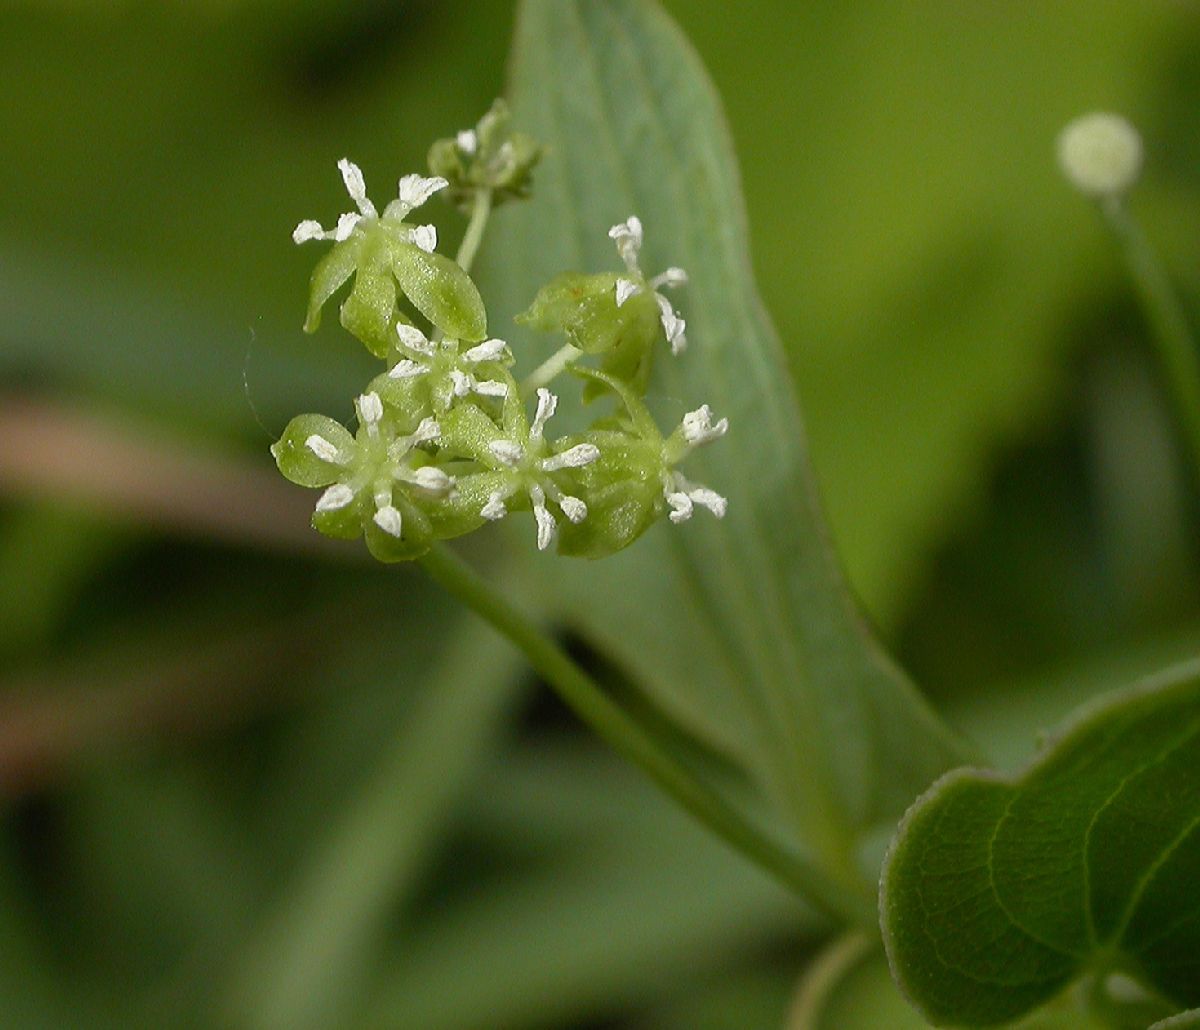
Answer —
(424, 237)
(462, 383)
(628, 237)
(508, 451)
(388, 519)
(489, 350)
(370, 409)
(673, 325)
(626, 288)
(709, 499)
(308, 230)
(426, 432)
(414, 190)
(467, 141)
(345, 226)
(433, 479)
(681, 506)
(546, 406)
(671, 277)
(491, 388)
(494, 510)
(573, 508)
(405, 369)
(413, 338)
(698, 426)
(572, 458)
(352, 176)
(335, 498)
(546, 526)
(322, 448)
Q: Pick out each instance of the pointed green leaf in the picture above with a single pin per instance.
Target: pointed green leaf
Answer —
(998, 893)
(777, 664)
(441, 291)
(327, 278)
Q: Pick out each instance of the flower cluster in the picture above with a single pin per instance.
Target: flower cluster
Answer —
(444, 442)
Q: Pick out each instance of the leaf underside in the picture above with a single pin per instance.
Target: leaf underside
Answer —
(742, 628)
(999, 893)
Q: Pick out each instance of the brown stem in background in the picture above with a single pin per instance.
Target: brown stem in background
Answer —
(115, 468)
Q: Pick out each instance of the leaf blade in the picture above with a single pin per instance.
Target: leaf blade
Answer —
(636, 127)
(1069, 868)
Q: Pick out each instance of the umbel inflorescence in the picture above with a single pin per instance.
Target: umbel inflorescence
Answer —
(444, 442)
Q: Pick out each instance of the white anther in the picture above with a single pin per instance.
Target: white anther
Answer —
(308, 230)
(491, 388)
(681, 506)
(628, 237)
(414, 190)
(467, 141)
(508, 451)
(671, 277)
(626, 288)
(424, 237)
(489, 350)
(573, 508)
(370, 408)
(388, 519)
(352, 176)
(335, 498)
(435, 480)
(709, 499)
(673, 325)
(494, 510)
(427, 431)
(572, 458)
(698, 426)
(546, 526)
(345, 226)
(405, 369)
(322, 448)
(546, 406)
(413, 338)
(462, 383)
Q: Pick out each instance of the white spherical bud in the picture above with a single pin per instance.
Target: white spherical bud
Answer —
(1101, 154)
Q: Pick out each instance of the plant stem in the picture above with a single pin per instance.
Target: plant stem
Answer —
(550, 368)
(481, 210)
(636, 742)
(1177, 350)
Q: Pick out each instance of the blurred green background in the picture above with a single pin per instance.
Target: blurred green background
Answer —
(252, 781)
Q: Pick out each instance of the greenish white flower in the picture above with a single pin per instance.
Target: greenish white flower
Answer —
(629, 237)
(451, 373)
(413, 191)
(531, 464)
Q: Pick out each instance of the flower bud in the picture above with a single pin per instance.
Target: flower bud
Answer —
(1100, 154)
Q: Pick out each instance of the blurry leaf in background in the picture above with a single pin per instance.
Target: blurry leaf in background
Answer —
(997, 894)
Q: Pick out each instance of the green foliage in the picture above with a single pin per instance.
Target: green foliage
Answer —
(774, 662)
(998, 894)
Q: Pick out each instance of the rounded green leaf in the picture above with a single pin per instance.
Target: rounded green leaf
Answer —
(998, 893)
(441, 291)
(296, 451)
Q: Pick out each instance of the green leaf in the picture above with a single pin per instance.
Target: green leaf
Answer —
(785, 673)
(1182, 1021)
(999, 893)
(441, 291)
